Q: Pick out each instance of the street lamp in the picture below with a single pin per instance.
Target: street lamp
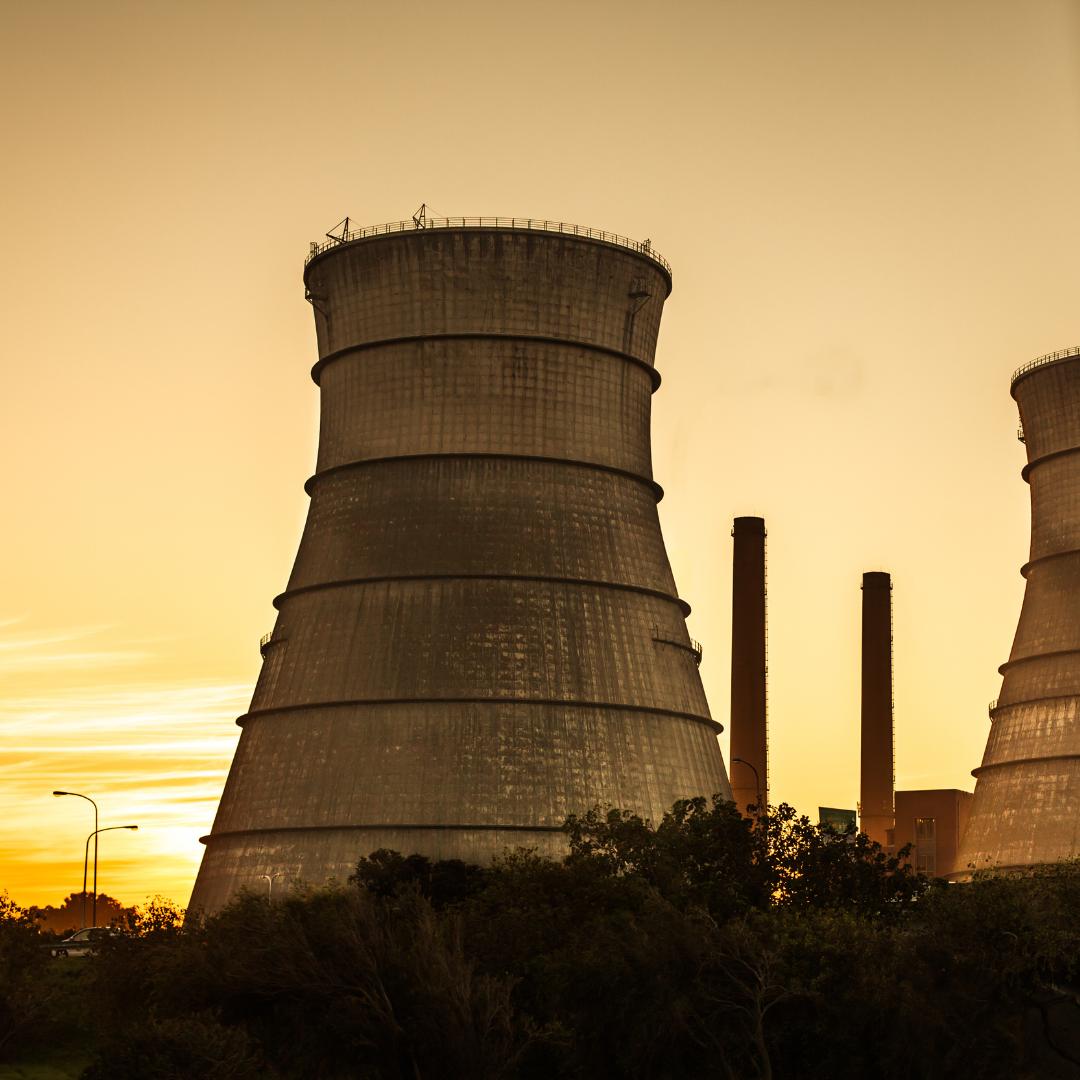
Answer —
(757, 779)
(93, 836)
(94, 805)
(269, 879)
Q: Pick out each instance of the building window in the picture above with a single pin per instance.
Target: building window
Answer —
(925, 829)
(926, 845)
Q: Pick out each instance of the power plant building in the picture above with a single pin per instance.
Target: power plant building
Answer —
(1026, 807)
(481, 633)
(932, 822)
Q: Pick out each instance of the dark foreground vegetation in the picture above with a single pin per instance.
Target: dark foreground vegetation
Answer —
(700, 948)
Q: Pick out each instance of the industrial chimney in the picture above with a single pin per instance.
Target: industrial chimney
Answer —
(481, 633)
(1026, 807)
(877, 814)
(749, 734)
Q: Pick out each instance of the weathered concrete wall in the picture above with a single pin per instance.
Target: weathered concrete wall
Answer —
(1026, 808)
(481, 633)
(522, 517)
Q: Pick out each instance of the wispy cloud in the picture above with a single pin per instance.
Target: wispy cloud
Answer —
(70, 649)
(150, 753)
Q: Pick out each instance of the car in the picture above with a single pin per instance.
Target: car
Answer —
(83, 942)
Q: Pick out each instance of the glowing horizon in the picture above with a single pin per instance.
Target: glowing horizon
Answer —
(149, 753)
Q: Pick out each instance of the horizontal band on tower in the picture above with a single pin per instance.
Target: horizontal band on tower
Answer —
(641, 589)
(376, 828)
(1036, 656)
(363, 346)
(1002, 705)
(1024, 761)
(654, 487)
(1045, 558)
(561, 703)
(1025, 472)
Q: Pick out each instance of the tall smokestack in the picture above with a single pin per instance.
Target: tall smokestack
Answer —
(876, 781)
(749, 738)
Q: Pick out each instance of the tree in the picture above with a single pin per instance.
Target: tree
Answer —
(158, 917)
(69, 915)
(445, 882)
(709, 856)
(703, 853)
(817, 866)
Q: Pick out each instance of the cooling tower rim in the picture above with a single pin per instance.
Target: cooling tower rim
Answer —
(324, 361)
(625, 586)
(654, 487)
(512, 225)
(1069, 353)
(558, 703)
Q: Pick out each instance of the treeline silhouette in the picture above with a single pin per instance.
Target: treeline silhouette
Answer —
(75, 912)
(706, 946)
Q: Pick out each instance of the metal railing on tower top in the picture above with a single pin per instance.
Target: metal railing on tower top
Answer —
(1047, 358)
(350, 233)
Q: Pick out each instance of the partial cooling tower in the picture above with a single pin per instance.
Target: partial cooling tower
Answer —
(1026, 808)
(481, 633)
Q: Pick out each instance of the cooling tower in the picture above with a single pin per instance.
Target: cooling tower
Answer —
(877, 815)
(481, 633)
(749, 736)
(1026, 808)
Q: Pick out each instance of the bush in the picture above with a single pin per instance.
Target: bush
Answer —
(179, 1049)
(26, 994)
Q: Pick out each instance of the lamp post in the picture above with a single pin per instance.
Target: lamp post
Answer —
(94, 833)
(269, 879)
(93, 836)
(757, 780)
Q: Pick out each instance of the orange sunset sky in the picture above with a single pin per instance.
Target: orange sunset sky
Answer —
(871, 212)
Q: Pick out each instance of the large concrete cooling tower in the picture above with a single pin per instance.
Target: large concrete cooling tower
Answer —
(1026, 808)
(481, 633)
